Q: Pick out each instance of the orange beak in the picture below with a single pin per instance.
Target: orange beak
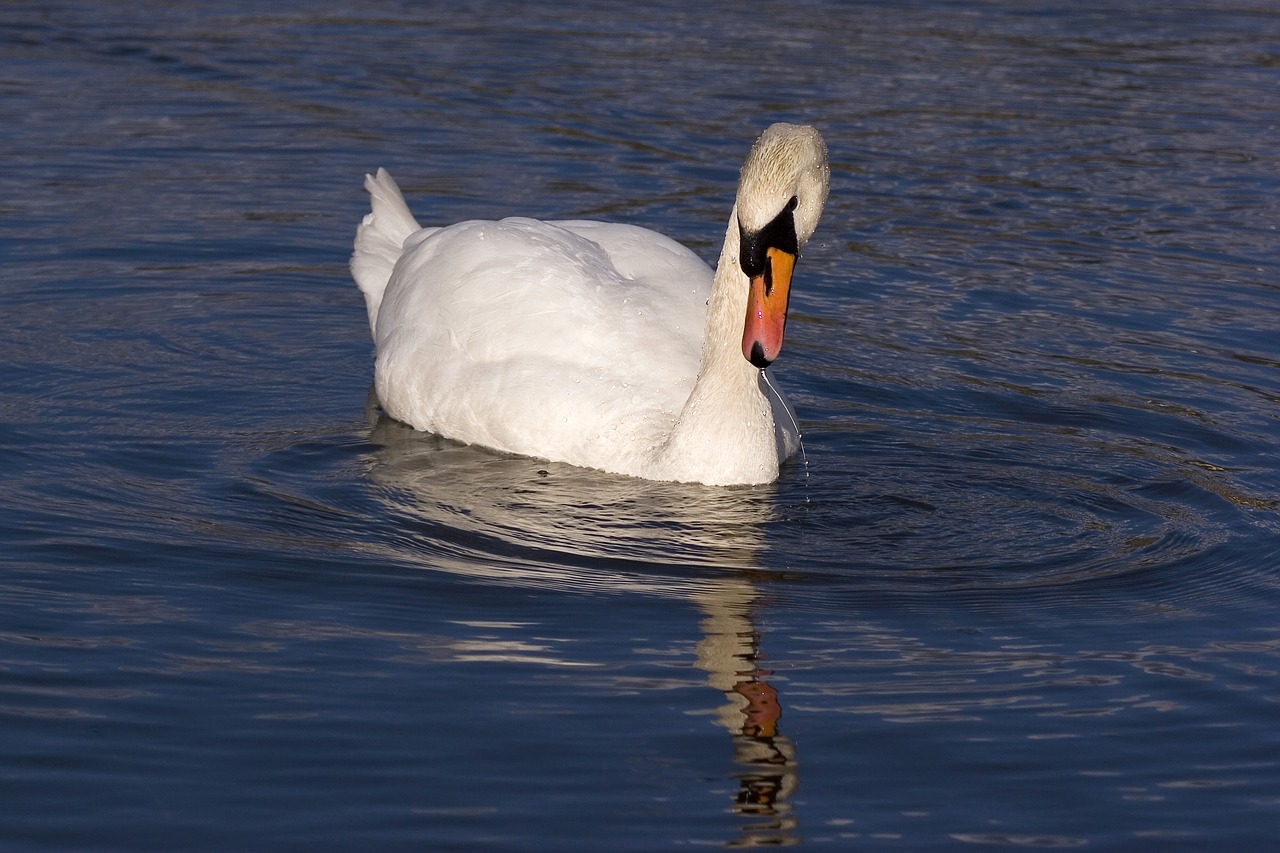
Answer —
(767, 308)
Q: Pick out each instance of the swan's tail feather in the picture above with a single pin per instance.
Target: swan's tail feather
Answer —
(380, 240)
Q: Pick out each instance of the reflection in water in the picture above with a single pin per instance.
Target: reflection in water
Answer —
(547, 524)
(729, 653)
(530, 522)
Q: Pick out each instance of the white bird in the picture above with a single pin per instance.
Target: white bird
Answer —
(601, 345)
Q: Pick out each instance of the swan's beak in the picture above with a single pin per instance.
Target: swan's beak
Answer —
(767, 308)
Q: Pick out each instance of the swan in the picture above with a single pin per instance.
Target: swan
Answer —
(601, 345)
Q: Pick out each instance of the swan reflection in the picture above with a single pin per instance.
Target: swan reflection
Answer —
(518, 521)
(729, 653)
(547, 524)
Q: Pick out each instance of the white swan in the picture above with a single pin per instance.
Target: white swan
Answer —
(604, 346)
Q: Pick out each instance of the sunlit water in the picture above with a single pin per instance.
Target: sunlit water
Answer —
(1023, 591)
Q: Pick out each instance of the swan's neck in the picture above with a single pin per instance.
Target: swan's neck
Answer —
(725, 433)
(726, 313)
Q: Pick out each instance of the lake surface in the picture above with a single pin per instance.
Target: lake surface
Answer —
(1022, 591)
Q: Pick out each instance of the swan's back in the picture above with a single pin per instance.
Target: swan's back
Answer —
(524, 335)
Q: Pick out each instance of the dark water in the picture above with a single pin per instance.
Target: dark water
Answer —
(1025, 591)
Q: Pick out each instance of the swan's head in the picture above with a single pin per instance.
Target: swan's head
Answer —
(781, 191)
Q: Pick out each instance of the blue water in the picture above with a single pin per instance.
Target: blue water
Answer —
(1023, 590)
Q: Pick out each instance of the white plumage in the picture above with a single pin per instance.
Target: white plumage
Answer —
(601, 345)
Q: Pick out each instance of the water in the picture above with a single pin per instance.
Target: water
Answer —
(1022, 593)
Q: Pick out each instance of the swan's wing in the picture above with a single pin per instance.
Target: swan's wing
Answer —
(638, 253)
(522, 334)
